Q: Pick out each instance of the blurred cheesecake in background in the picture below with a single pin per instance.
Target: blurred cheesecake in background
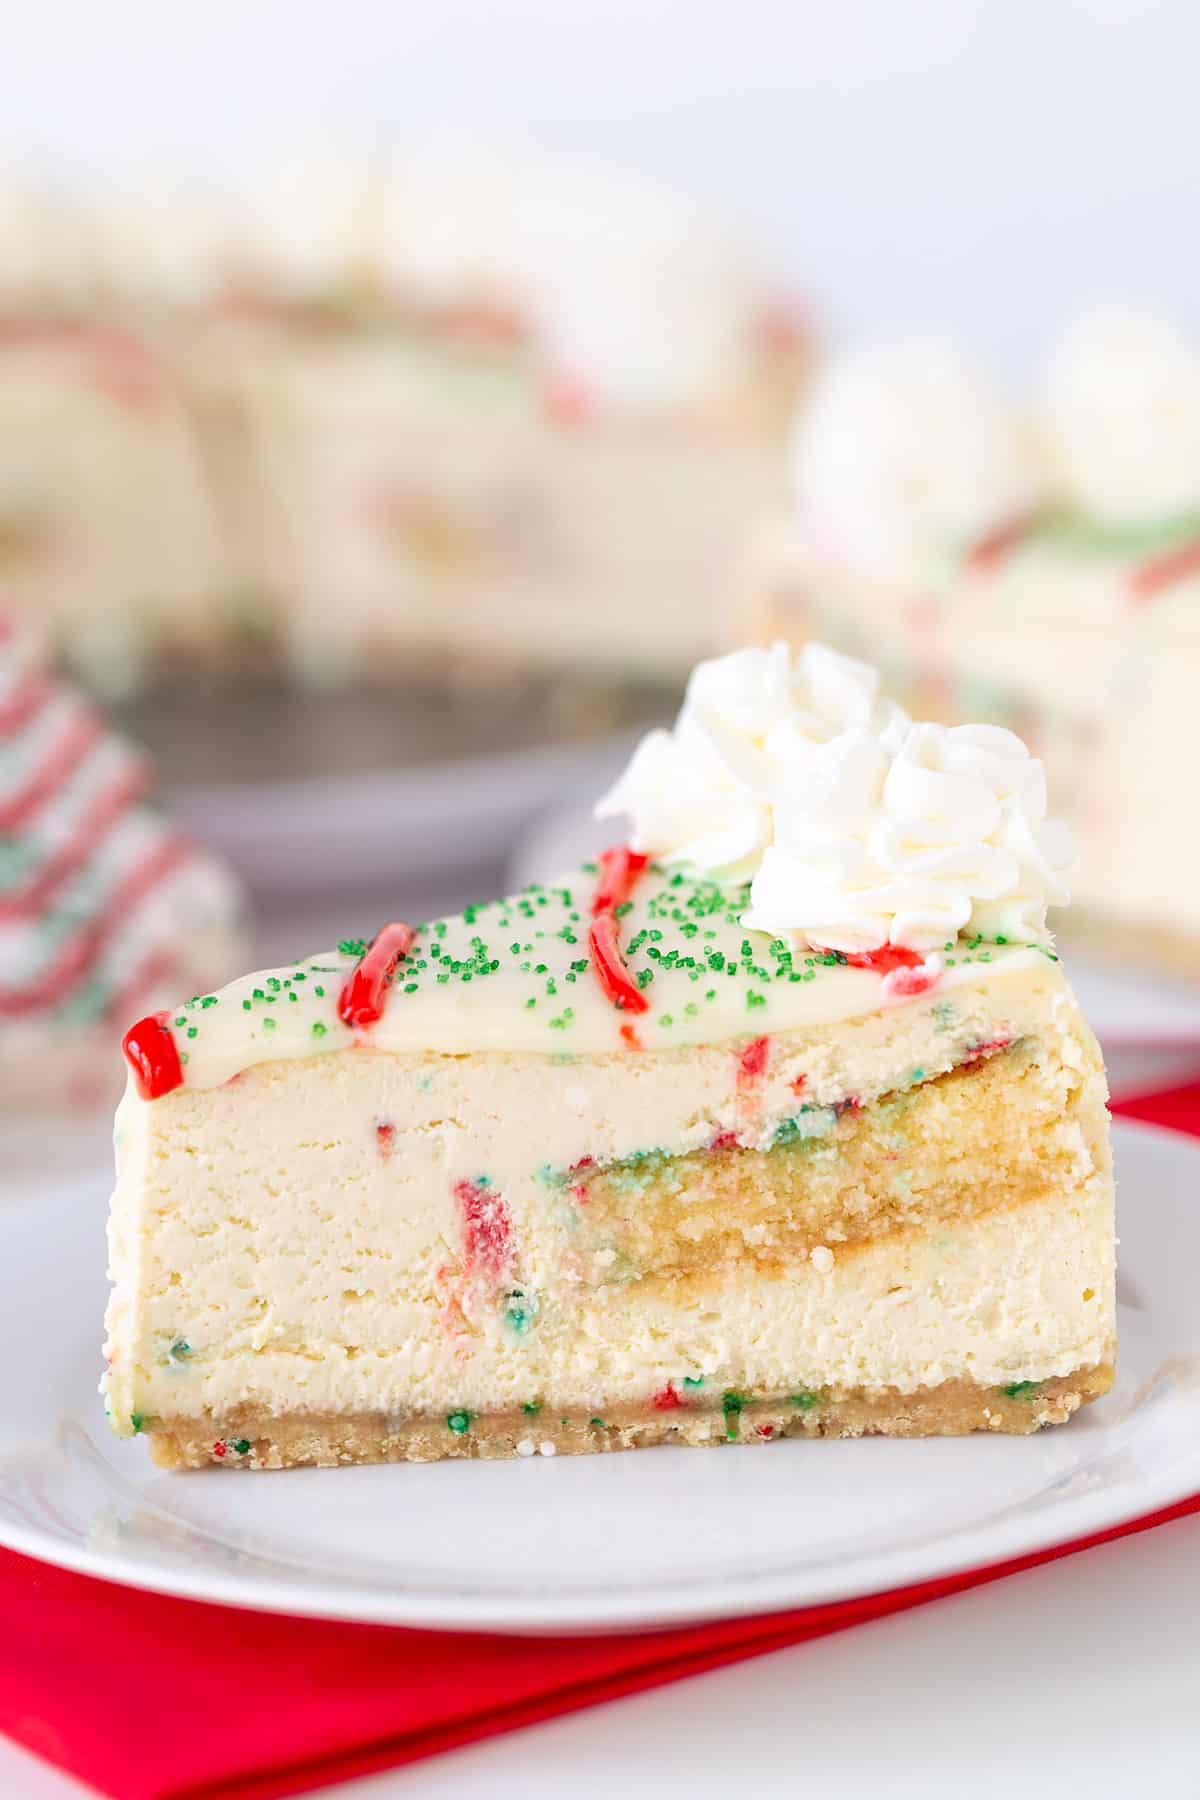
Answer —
(105, 907)
(1037, 567)
(449, 418)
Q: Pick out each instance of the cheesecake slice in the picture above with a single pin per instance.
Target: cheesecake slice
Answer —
(617, 1162)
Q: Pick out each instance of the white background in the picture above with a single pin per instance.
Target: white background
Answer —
(981, 163)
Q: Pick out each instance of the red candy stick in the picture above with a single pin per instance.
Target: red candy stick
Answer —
(150, 1052)
(362, 998)
(619, 869)
(610, 968)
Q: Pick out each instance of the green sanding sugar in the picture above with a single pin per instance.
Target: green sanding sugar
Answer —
(731, 1405)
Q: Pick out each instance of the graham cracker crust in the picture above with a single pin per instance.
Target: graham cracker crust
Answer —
(250, 1440)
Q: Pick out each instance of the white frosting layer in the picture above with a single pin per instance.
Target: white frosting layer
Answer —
(906, 446)
(1123, 406)
(857, 827)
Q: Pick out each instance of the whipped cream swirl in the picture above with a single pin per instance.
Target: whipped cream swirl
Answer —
(855, 827)
(1123, 408)
(907, 447)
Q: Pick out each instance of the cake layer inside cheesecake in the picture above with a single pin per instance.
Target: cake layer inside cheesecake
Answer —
(1001, 1128)
(419, 1236)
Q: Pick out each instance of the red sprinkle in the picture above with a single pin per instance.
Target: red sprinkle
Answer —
(150, 1051)
(766, 1431)
(362, 998)
(1162, 572)
(605, 951)
(799, 1084)
(885, 959)
(619, 869)
(992, 551)
(978, 1052)
(725, 1140)
(218, 1448)
(752, 1062)
(487, 1234)
(630, 1038)
(569, 402)
(668, 1399)
(385, 1137)
(906, 983)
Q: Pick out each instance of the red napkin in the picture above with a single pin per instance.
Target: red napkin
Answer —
(150, 1698)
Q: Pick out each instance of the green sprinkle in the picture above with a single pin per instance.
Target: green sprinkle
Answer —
(245, 1006)
(240, 1446)
(137, 1420)
(268, 1023)
(731, 1405)
(520, 1311)
(179, 1351)
(753, 1000)
(693, 1381)
(352, 947)
(531, 1407)
(459, 1422)
(318, 1029)
(1021, 1390)
(805, 1400)
(595, 1421)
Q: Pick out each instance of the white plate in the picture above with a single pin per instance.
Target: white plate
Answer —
(592, 1542)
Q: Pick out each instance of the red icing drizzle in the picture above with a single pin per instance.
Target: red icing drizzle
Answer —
(150, 1051)
(22, 705)
(668, 1399)
(487, 1233)
(362, 999)
(63, 759)
(885, 959)
(605, 950)
(36, 892)
(81, 950)
(1162, 572)
(619, 870)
